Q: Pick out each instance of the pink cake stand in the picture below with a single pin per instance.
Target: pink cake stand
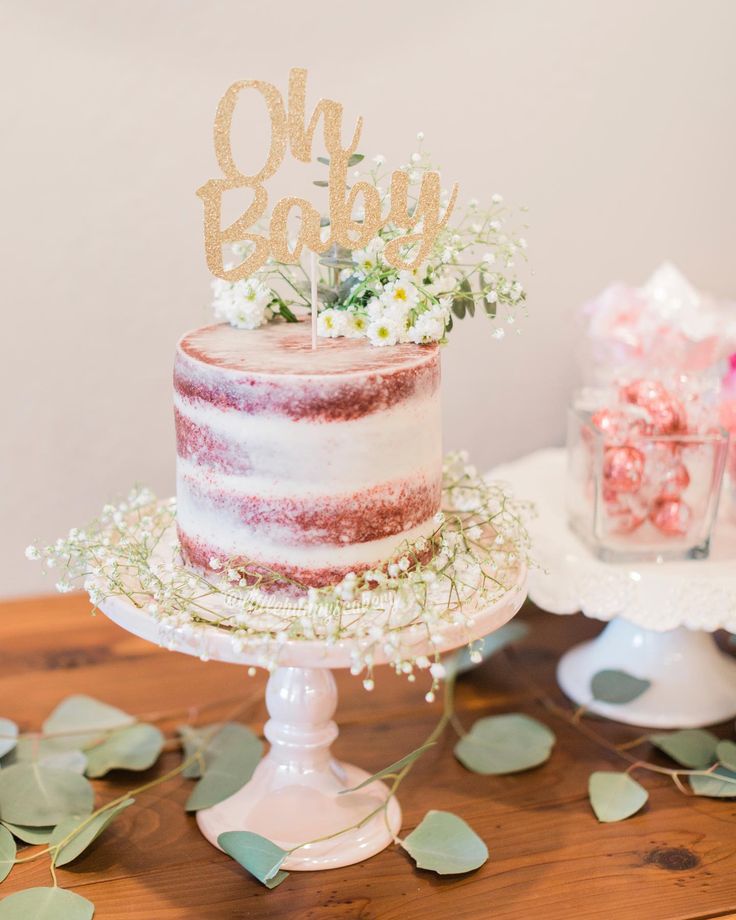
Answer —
(294, 794)
(661, 616)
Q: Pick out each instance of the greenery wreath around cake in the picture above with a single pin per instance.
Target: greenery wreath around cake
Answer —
(472, 557)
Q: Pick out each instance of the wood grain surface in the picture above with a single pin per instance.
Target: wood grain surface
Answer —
(549, 857)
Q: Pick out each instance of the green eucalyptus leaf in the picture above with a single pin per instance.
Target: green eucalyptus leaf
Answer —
(726, 753)
(460, 663)
(82, 832)
(256, 854)
(691, 747)
(355, 159)
(325, 160)
(615, 796)
(611, 686)
(230, 760)
(8, 736)
(445, 844)
(505, 744)
(39, 796)
(345, 287)
(84, 720)
(391, 768)
(324, 221)
(464, 301)
(458, 307)
(720, 784)
(48, 752)
(8, 850)
(46, 904)
(76, 761)
(449, 325)
(326, 294)
(196, 740)
(133, 748)
(469, 299)
(32, 835)
(58, 753)
(321, 183)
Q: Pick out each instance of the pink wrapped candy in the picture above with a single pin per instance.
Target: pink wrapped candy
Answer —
(668, 415)
(675, 479)
(613, 423)
(643, 392)
(671, 516)
(623, 469)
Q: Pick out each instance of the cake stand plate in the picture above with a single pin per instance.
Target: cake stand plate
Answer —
(297, 792)
(661, 615)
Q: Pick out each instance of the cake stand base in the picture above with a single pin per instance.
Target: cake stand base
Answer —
(297, 796)
(297, 793)
(693, 683)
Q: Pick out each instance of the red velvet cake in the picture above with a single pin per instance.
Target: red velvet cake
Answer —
(309, 463)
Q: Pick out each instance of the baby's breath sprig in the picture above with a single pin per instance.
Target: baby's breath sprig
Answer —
(470, 558)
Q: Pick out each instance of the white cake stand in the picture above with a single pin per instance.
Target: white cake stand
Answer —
(293, 796)
(662, 616)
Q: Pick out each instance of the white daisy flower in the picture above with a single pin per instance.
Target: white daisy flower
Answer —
(368, 259)
(383, 332)
(244, 304)
(332, 323)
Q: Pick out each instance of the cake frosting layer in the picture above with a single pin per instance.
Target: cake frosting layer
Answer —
(307, 463)
(280, 374)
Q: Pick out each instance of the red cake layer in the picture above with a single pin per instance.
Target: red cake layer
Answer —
(344, 390)
(198, 443)
(369, 514)
(199, 554)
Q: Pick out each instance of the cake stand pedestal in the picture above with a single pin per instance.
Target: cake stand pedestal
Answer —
(662, 615)
(294, 795)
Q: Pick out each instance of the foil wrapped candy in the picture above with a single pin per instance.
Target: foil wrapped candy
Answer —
(646, 459)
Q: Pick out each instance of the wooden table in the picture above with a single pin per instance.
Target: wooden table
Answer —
(549, 857)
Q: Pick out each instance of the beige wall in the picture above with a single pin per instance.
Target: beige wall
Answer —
(613, 121)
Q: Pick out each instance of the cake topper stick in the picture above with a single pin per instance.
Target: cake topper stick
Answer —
(313, 278)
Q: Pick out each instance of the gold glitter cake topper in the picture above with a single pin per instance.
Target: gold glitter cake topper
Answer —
(422, 220)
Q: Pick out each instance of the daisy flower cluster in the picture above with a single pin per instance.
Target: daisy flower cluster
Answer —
(472, 266)
(474, 555)
(243, 304)
(247, 304)
(389, 307)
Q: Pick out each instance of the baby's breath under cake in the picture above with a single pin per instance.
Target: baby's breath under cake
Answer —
(309, 464)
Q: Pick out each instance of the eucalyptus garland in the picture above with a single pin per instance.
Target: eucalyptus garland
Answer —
(47, 800)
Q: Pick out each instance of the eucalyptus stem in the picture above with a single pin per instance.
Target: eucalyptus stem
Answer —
(53, 850)
(448, 711)
(574, 719)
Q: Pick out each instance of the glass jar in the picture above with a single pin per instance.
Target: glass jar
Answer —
(643, 497)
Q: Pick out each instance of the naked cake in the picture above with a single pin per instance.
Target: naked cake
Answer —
(306, 463)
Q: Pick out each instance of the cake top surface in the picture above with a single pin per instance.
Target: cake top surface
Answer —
(286, 348)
